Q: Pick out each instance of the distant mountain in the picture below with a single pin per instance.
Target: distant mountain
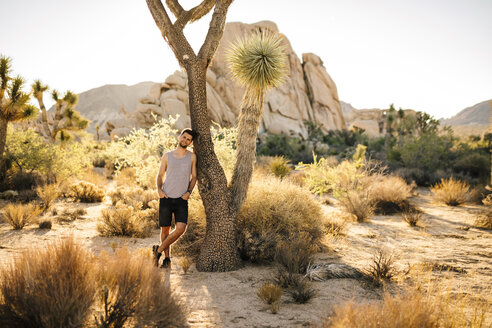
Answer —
(108, 102)
(479, 114)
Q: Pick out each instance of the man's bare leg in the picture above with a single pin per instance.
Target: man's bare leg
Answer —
(172, 237)
(164, 234)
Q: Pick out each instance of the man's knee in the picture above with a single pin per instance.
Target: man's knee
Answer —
(180, 228)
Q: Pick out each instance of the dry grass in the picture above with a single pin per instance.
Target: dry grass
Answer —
(19, 215)
(124, 221)
(132, 293)
(49, 286)
(279, 166)
(381, 268)
(185, 264)
(127, 177)
(95, 178)
(134, 196)
(48, 193)
(450, 192)
(276, 210)
(415, 308)
(295, 285)
(412, 216)
(270, 294)
(70, 215)
(45, 224)
(86, 192)
(484, 219)
(296, 254)
(389, 194)
(358, 204)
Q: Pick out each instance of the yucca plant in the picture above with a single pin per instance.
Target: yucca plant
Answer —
(66, 117)
(14, 105)
(258, 62)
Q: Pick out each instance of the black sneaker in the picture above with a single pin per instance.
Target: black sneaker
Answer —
(166, 263)
(155, 255)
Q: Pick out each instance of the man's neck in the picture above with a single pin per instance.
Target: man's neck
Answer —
(180, 150)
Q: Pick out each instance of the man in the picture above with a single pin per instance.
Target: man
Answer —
(179, 167)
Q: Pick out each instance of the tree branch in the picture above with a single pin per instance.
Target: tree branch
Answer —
(173, 36)
(215, 32)
(175, 7)
(194, 14)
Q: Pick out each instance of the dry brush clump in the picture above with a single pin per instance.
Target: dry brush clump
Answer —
(51, 286)
(45, 224)
(276, 211)
(270, 294)
(86, 192)
(124, 220)
(450, 192)
(131, 292)
(416, 307)
(19, 215)
(389, 194)
(484, 219)
(381, 269)
(48, 193)
(279, 166)
(70, 215)
(133, 196)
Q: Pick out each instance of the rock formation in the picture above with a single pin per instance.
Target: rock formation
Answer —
(308, 94)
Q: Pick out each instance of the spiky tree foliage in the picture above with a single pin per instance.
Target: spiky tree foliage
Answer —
(258, 63)
(14, 104)
(65, 118)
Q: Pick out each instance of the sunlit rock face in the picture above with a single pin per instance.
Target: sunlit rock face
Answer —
(308, 94)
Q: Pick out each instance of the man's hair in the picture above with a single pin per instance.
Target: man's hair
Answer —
(192, 133)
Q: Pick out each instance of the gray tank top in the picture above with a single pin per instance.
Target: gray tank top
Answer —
(177, 175)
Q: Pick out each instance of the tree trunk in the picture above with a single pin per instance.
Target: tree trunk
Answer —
(248, 123)
(219, 250)
(44, 117)
(3, 140)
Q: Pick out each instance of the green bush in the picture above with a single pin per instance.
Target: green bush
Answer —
(279, 166)
(53, 162)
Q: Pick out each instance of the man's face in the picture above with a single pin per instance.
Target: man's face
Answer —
(184, 140)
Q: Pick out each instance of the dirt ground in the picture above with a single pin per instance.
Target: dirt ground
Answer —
(446, 238)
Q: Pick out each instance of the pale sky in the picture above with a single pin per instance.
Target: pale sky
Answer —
(430, 55)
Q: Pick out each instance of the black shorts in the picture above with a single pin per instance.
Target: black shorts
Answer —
(168, 206)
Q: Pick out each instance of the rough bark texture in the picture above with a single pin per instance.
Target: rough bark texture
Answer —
(249, 121)
(44, 116)
(219, 251)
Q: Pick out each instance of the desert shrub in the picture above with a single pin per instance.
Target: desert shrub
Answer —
(132, 291)
(474, 164)
(412, 217)
(276, 210)
(270, 294)
(143, 148)
(134, 196)
(477, 194)
(86, 192)
(45, 224)
(294, 284)
(184, 263)
(296, 254)
(450, 192)
(127, 177)
(53, 162)
(318, 176)
(49, 286)
(70, 215)
(381, 268)
(294, 148)
(484, 219)
(19, 215)
(20, 180)
(358, 203)
(301, 290)
(335, 227)
(48, 193)
(389, 194)
(410, 309)
(124, 221)
(279, 166)
(94, 177)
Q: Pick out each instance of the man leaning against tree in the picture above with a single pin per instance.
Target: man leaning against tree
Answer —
(179, 168)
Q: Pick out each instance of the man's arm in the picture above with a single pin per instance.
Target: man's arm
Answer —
(160, 176)
(193, 177)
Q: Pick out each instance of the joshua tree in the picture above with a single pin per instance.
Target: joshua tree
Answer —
(66, 117)
(14, 105)
(257, 62)
(219, 250)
